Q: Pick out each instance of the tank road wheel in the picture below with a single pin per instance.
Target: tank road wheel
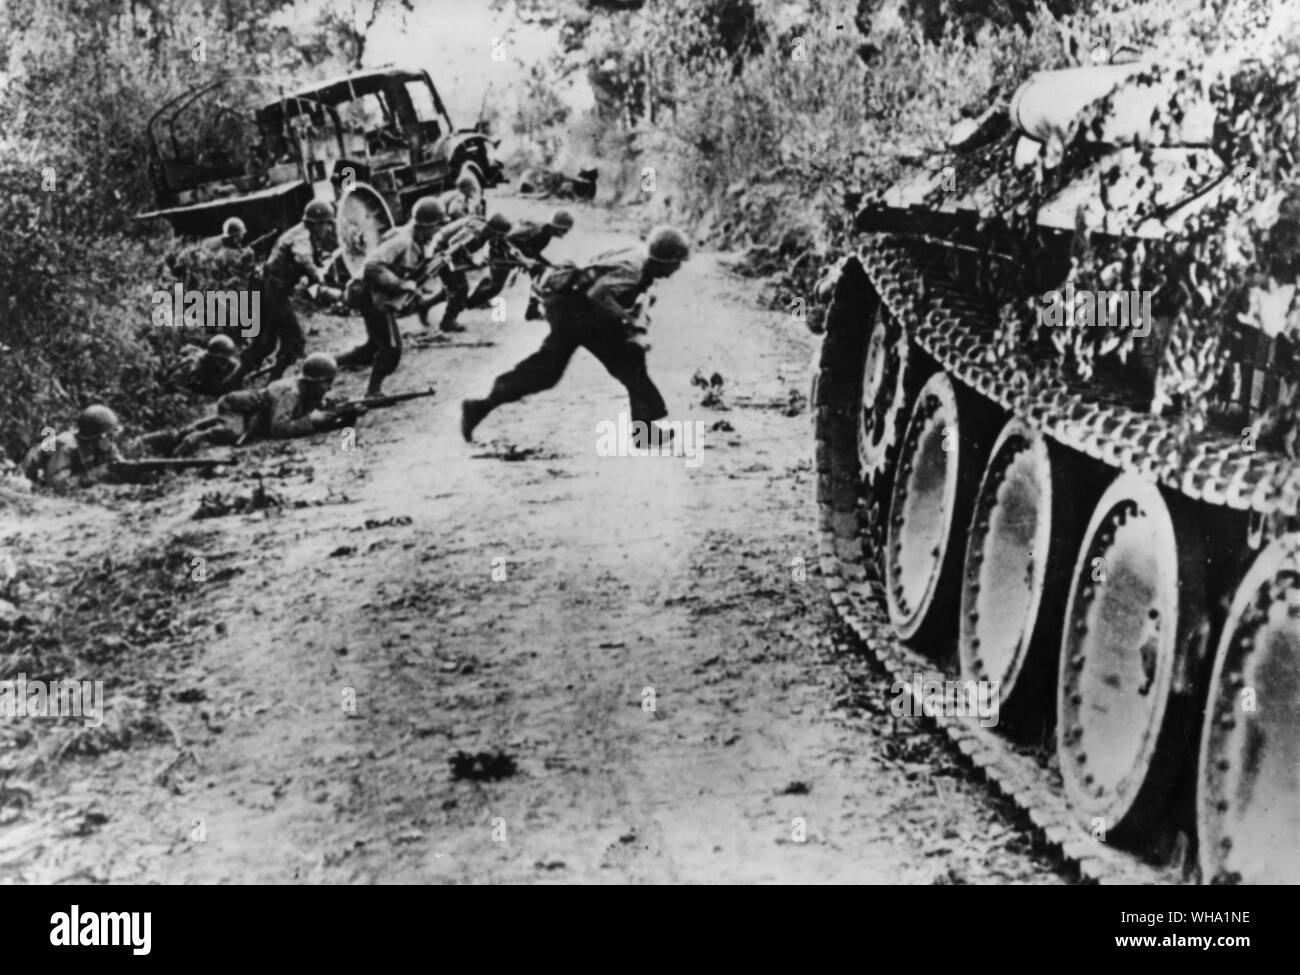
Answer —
(363, 217)
(1248, 781)
(938, 469)
(1021, 544)
(1136, 598)
(886, 397)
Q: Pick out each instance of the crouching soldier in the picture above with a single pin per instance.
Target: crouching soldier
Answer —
(594, 307)
(522, 247)
(79, 457)
(293, 257)
(466, 200)
(214, 372)
(458, 242)
(231, 236)
(281, 409)
(391, 280)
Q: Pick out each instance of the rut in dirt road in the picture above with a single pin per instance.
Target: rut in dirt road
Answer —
(565, 666)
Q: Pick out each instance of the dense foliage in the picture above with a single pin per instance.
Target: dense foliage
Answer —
(79, 80)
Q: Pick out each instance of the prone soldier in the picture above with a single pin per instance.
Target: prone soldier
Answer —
(292, 258)
(522, 247)
(292, 407)
(76, 458)
(214, 372)
(593, 307)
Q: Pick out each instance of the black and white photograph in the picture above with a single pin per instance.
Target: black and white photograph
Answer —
(651, 442)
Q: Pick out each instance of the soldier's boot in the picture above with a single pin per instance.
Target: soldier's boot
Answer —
(472, 413)
(423, 305)
(455, 304)
(653, 435)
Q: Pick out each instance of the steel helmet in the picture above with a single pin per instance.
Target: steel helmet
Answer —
(498, 225)
(97, 420)
(318, 211)
(428, 212)
(320, 365)
(561, 220)
(221, 345)
(466, 183)
(233, 227)
(668, 245)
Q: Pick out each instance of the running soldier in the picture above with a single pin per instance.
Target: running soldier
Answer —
(521, 248)
(77, 458)
(284, 408)
(595, 307)
(293, 257)
(459, 241)
(389, 286)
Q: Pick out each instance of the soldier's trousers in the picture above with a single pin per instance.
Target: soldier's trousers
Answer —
(490, 286)
(223, 430)
(279, 326)
(457, 285)
(382, 349)
(621, 353)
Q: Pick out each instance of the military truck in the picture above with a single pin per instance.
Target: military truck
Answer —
(1111, 538)
(371, 142)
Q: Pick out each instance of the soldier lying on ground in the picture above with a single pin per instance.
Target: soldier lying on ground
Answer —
(292, 407)
(76, 458)
(213, 372)
(526, 240)
(594, 307)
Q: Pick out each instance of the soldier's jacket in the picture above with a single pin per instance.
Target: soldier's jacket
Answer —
(530, 238)
(462, 237)
(275, 410)
(607, 289)
(211, 374)
(458, 205)
(68, 461)
(292, 257)
(396, 258)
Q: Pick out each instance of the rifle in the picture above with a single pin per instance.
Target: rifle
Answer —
(129, 470)
(376, 402)
(406, 302)
(253, 245)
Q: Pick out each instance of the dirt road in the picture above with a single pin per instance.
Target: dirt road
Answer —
(565, 667)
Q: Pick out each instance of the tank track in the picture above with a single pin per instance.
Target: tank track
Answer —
(1104, 422)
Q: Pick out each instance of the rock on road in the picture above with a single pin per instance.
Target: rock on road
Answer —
(502, 730)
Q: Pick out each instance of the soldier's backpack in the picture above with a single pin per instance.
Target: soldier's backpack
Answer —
(567, 278)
